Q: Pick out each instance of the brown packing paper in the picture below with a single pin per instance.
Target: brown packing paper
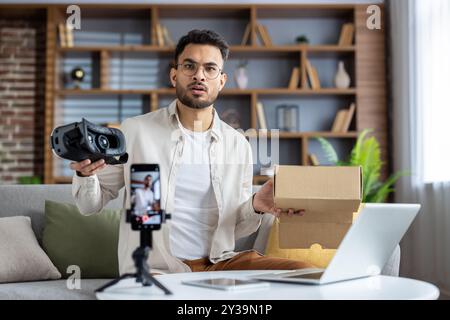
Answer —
(329, 196)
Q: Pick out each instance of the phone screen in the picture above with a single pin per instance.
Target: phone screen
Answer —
(228, 282)
(145, 195)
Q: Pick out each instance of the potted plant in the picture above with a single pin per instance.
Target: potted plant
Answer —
(365, 153)
(30, 180)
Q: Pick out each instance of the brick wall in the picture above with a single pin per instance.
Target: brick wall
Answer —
(22, 80)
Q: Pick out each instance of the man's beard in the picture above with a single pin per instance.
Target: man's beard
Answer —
(192, 102)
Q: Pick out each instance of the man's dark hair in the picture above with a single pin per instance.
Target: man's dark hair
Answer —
(202, 37)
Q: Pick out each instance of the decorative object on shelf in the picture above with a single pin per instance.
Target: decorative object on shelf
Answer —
(302, 39)
(295, 78)
(312, 76)
(267, 171)
(342, 79)
(232, 118)
(261, 115)
(263, 34)
(343, 119)
(77, 76)
(287, 118)
(347, 34)
(365, 153)
(240, 75)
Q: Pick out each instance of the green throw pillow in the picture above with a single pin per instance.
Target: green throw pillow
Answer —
(89, 242)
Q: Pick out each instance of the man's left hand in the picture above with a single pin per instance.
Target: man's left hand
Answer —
(263, 201)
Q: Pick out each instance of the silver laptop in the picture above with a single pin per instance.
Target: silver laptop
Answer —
(365, 249)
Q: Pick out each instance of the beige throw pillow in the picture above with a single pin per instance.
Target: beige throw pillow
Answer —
(21, 257)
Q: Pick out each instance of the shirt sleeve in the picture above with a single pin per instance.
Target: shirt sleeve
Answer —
(248, 221)
(92, 193)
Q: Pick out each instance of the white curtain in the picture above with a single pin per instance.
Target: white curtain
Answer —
(420, 68)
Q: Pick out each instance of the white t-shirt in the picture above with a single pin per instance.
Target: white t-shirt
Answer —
(144, 200)
(196, 213)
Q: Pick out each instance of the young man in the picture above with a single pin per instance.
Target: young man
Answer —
(206, 173)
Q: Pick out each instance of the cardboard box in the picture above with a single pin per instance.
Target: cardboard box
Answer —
(329, 196)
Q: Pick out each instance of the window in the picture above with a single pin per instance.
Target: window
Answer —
(433, 86)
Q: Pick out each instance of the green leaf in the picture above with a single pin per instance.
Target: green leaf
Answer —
(356, 151)
(370, 162)
(328, 149)
(385, 189)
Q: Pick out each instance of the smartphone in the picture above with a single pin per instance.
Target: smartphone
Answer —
(228, 284)
(145, 188)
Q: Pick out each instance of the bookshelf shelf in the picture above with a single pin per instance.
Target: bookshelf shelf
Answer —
(238, 48)
(170, 91)
(301, 135)
(100, 49)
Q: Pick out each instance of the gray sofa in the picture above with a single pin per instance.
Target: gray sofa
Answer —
(28, 200)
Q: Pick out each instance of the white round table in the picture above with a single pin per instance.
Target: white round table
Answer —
(371, 288)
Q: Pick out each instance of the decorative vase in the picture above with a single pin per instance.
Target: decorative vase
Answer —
(241, 78)
(342, 79)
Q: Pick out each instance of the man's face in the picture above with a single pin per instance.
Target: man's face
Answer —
(147, 181)
(197, 91)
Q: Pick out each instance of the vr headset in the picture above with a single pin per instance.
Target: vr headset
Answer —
(83, 140)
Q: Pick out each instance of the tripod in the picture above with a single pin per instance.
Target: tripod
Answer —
(142, 274)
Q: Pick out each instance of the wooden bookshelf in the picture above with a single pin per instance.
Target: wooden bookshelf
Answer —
(168, 91)
(366, 58)
(238, 48)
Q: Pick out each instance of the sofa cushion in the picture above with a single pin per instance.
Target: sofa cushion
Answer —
(89, 242)
(21, 257)
(29, 200)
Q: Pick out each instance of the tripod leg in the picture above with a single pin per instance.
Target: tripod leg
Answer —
(113, 282)
(149, 279)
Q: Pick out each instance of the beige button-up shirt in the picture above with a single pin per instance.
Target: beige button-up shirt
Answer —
(156, 137)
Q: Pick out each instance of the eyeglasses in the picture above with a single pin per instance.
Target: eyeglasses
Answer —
(211, 72)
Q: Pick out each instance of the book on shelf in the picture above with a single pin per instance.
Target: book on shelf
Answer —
(312, 76)
(261, 115)
(347, 34)
(246, 36)
(295, 78)
(343, 119)
(62, 35)
(339, 121)
(313, 159)
(348, 118)
(65, 35)
(159, 35)
(167, 37)
(263, 34)
(69, 35)
(162, 35)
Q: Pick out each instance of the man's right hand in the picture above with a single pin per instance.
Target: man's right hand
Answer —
(85, 168)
